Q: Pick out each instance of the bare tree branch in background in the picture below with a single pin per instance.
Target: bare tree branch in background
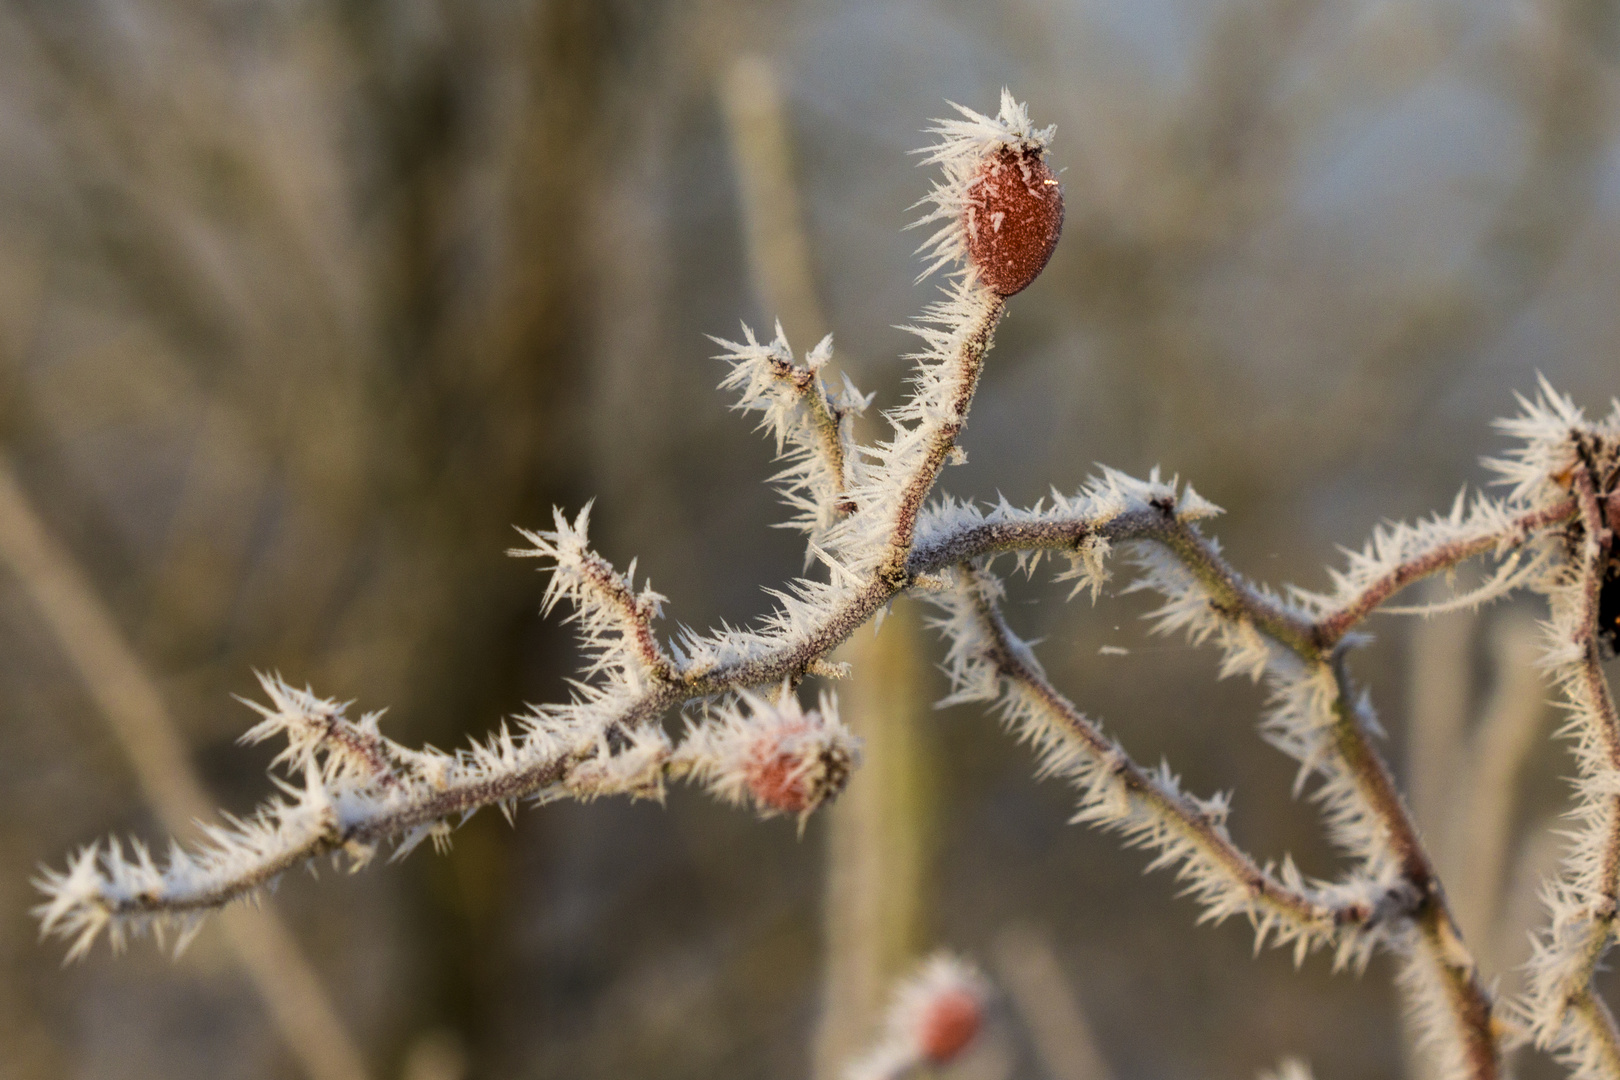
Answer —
(268, 953)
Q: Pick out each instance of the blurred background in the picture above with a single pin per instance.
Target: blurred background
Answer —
(304, 305)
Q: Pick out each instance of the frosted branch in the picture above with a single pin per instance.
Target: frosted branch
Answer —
(320, 735)
(1563, 1010)
(812, 428)
(901, 470)
(988, 663)
(1317, 718)
(1402, 554)
(615, 620)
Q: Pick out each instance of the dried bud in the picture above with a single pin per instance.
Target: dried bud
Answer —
(1013, 215)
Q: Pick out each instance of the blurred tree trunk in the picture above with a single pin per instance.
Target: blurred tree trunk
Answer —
(875, 913)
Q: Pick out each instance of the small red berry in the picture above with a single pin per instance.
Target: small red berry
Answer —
(949, 1024)
(1013, 217)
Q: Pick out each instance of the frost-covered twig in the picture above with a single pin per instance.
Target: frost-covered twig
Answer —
(811, 426)
(1449, 1005)
(1317, 717)
(988, 663)
(123, 689)
(781, 758)
(616, 621)
(1403, 554)
(1561, 1006)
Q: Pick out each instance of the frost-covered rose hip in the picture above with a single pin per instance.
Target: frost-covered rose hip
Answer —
(998, 209)
(776, 756)
(1012, 215)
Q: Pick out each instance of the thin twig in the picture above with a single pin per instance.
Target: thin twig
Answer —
(1561, 1002)
(1332, 627)
(1311, 915)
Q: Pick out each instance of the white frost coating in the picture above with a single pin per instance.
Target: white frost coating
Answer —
(1562, 455)
(1469, 522)
(359, 788)
(614, 620)
(1430, 1009)
(1187, 603)
(310, 723)
(1300, 720)
(1189, 607)
(811, 427)
(954, 332)
(1545, 448)
(107, 889)
(1101, 501)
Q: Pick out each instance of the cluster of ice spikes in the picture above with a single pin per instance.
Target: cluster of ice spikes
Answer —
(811, 427)
(873, 535)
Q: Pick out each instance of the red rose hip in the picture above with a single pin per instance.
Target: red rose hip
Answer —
(949, 1024)
(1013, 215)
